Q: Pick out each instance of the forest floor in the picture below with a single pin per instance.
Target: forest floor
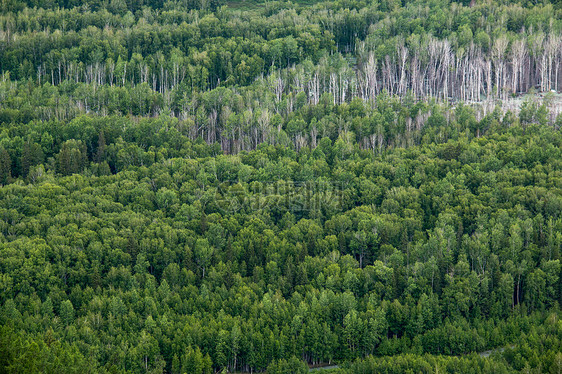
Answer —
(318, 368)
(514, 103)
(484, 354)
(555, 102)
(250, 5)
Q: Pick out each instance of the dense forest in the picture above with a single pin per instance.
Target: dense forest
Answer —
(209, 187)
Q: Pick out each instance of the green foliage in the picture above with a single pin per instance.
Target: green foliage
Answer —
(292, 365)
(182, 265)
(204, 187)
